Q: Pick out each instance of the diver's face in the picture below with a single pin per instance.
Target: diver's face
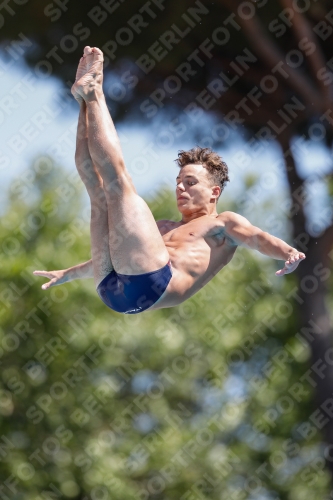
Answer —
(194, 190)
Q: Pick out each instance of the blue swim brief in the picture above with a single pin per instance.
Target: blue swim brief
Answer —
(132, 294)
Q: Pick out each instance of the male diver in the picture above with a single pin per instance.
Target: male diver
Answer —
(139, 264)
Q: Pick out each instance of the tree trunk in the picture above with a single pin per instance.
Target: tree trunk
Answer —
(314, 317)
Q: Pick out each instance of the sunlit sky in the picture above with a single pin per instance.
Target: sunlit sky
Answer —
(36, 119)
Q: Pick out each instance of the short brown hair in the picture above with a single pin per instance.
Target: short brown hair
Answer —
(216, 167)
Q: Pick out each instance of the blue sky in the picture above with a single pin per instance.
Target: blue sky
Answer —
(36, 119)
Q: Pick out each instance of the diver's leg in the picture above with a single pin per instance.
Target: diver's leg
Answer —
(135, 243)
(99, 229)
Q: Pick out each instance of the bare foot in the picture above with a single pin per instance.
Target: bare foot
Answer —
(89, 75)
(79, 73)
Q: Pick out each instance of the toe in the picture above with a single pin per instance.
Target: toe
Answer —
(98, 52)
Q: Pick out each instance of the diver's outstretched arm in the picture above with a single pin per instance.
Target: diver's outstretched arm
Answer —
(241, 232)
(79, 272)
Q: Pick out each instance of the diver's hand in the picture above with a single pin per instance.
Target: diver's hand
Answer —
(55, 277)
(291, 264)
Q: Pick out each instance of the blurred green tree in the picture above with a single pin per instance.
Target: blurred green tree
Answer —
(259, 69)
(208, 400)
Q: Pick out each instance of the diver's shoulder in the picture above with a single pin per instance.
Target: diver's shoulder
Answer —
(165, 225)
(228, 216)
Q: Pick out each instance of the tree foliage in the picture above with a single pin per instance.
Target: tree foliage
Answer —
(199, 401)
(261, 69)
(161, 55)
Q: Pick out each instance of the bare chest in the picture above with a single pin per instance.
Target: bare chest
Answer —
(197, 250)
(193, 233)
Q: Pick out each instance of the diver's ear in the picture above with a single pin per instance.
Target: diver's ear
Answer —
(216, 191)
